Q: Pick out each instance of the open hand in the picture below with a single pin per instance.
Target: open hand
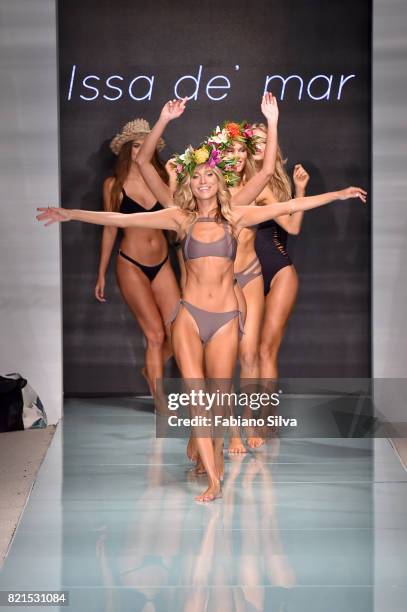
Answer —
(269, 107)
(173, 109)
(300, 178)
(352, 192)
(53, 215)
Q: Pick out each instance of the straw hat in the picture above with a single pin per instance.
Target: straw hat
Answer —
(131, 131)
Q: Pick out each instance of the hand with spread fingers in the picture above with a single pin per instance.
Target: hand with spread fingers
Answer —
(51, 215)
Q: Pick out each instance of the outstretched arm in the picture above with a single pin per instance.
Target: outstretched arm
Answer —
(245, 216)
(163, 192)
(108, 240)
(254, 187)
(169, 218)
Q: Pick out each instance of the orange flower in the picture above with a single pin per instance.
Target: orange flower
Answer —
(233, 129)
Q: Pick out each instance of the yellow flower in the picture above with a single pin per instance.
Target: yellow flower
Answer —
(201, 155)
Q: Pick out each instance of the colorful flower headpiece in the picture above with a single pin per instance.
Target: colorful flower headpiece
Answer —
(207, 153)
(222, 137)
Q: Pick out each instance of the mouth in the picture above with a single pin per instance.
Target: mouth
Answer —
(203, 188)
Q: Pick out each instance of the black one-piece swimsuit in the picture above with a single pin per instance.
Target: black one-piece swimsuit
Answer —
(129, 206)
(270, 245)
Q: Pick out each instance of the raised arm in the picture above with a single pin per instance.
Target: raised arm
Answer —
(291, 223)
(254, 187)
(163, 192)
(245, 216)
(169, 218)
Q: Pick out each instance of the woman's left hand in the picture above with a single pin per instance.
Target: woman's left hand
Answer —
(269, 107)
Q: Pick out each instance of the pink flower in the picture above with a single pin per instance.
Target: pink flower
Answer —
(214, 158)
(179, 168)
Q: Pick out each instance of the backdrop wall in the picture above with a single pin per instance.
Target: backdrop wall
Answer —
(118, 65)
(30, 304)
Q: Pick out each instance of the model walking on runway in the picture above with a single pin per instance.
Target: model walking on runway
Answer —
(279, 275)
(144, 274)
(206, 326)
(238, 141)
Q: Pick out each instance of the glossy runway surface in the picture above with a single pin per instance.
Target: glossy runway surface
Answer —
(304, 525)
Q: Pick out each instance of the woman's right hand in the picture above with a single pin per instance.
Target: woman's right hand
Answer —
(100, 289)
(173, 109)
(53, 215)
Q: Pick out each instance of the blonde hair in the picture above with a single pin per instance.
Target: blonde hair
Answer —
(186, 202)
(280, 182)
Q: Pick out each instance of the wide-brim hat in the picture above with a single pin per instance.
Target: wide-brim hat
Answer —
(131, 131)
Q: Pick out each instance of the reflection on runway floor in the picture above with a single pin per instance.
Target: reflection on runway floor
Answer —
(298, 526)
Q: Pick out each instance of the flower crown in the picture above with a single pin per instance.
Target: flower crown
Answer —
(222, 137)
(207, 153)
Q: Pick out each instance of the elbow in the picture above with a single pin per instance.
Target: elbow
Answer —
(294, 231)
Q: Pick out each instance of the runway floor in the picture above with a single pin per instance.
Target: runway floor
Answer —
(304, 525)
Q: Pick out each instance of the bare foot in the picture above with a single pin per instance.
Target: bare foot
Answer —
(212, 492)
(236, 446)
(255, 442)
(192, 450)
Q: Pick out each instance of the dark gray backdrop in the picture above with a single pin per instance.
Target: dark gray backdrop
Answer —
(329, 333)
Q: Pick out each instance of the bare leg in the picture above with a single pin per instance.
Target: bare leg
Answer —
(139, 297)
(220, 360)
(249, 345)
(279, 305)
(189, 353)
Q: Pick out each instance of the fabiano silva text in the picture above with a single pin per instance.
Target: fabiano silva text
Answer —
(231, 421)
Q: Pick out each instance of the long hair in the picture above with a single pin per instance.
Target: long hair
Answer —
(185, 200)
(280, 182)
(122, 169)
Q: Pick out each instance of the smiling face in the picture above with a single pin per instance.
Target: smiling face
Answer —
(260, 144)
(238, 151)
(204, 183)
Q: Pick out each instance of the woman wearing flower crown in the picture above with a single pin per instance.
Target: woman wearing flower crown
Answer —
(206, 327)
(236, 141)
(279, 274)
(144, 274)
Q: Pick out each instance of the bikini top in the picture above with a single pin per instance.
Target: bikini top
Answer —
(223, 247)
(129, 206)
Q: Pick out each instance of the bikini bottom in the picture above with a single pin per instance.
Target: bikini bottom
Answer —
(149, 271)
(252, 271)
(208, 323)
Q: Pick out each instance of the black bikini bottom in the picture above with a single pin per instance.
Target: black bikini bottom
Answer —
(150, 271)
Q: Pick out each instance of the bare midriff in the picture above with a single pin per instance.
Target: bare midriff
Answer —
(147, 246)
(245, 249)
(209, 284)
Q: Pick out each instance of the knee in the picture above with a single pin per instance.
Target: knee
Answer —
(249, 358)
(155, 337)
(269, 346)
